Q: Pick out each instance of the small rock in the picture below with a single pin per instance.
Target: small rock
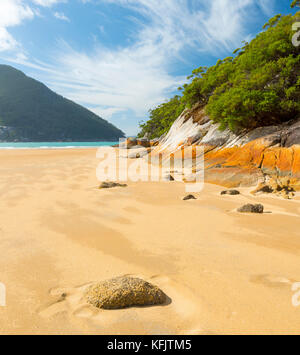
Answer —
(134, 156)
(266, 189)
(122, 292)
(230, 192)
(249, 208)
(139, 153)
(169, 178)
(109, 185)
(189, 197)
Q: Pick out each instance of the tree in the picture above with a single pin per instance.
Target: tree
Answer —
(260, 86)
(273, 21)
(295, 3)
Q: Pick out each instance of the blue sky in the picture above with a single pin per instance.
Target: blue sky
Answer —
(120, 58)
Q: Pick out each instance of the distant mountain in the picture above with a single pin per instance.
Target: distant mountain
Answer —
(29, 111)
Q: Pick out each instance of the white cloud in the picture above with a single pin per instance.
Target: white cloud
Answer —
(267, 6)
(125, 79)
(137, 77)
(61, 16)
(7, 42)
(107, 112)
(47, 3)
(133, 78)
(12, 13)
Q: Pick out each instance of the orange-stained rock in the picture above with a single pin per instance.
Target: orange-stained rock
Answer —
(144, 143)
(233, 177)
(296, 162)
(218, 156)
(235, 164)
(242, 166)
(250, 154)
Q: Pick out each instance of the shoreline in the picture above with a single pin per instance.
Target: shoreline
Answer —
(54, 145)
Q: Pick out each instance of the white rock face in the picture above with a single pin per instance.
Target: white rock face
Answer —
(208, 134)
(179, 132)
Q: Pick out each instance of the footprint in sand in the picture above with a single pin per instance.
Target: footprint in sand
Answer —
(271, 281)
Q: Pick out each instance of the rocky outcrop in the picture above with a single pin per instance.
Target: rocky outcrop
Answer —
(131, 143)
(279, 186)
(122, 292)
(245, 158)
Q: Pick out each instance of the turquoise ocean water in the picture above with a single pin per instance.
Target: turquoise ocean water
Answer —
(55, 145)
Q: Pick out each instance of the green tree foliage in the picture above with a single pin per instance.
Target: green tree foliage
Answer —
(295, 3)
(259, 86)
(162, 118)
(38, 114)
(262, 86)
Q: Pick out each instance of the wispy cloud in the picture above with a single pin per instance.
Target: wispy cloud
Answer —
(48, 3)
(137, 76)
(12, 13)
(61, 16)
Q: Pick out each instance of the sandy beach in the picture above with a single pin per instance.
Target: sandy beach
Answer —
(224, 272)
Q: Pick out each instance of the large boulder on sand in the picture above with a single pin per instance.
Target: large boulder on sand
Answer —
(123, 292)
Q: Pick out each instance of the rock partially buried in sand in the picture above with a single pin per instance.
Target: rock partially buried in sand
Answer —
(123, 292)
(249, 208)
(189, 197)
(109, 185)
(230, 192)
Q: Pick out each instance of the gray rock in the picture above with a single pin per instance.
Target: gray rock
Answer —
(217, 138)
(109, 185)
(230, 192)
(293, 135)
(249, 208)
(169, 178)
(123, 292)
(189, 197)
(138, 153)
(135, 155)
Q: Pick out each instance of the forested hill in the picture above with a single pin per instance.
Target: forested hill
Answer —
(29, 111)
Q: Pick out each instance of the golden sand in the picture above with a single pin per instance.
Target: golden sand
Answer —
(224, 272)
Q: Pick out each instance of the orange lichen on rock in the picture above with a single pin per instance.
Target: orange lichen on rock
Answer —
(232, 167)
(218, 156)
(296, 162)
(250, 154)
(233, 177)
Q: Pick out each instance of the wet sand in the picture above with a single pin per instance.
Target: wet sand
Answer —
(224, 272)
